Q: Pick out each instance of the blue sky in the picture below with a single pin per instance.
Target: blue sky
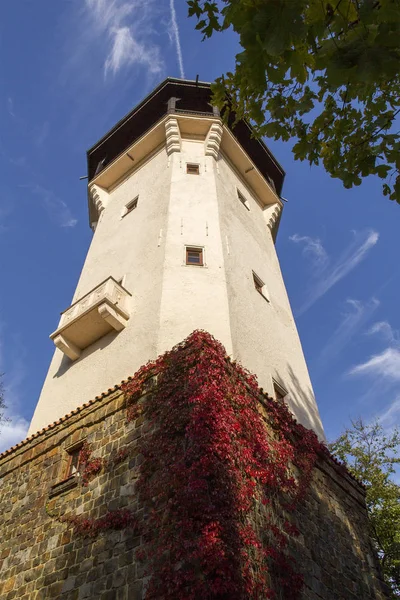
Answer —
(70, 70)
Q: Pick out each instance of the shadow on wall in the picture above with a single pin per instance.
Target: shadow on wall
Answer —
(302, 402)
(66, 363)
(334, 551)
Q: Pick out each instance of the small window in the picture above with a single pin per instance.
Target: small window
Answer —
(279, 392)
(131, 206)
(243, 200)
(192, 169)
(74, 461)
(260, 286)
(194, 256)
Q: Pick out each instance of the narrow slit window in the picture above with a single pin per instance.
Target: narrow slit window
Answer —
(243, 200)
(131, 206)
(192, 169)
(74, 461)
(260, 286)
(279, 392)
(194, 256)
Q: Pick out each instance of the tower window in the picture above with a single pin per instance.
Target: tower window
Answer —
(192, 169)
(131, 206)
(279, 392)
(194, 256)
(74, 460)
(242, 199)
(260, 286)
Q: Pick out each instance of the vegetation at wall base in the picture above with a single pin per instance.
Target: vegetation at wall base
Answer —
(372, 454)
(320, 72)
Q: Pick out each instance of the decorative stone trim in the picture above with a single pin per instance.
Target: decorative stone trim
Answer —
(272, 214)
(213, 140)
(116, 321)
(173, 136)
(63, 486)
(99, 200)
(67, 347)
(80, 325)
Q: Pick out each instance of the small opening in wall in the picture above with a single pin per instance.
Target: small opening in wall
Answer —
(279, 392)
(131, 206)
(242, 199)
(74, 460)
(260, 286)
(194, 256)
(192, 169)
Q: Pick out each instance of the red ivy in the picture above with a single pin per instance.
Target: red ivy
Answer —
(90, 467)
(113, 520)
(120, 456)
(212, 477)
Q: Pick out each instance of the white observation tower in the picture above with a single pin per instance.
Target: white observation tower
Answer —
(185, 211)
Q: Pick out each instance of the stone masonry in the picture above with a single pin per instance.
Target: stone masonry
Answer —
(42, 558)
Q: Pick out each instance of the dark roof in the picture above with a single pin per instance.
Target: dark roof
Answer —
(192, 97)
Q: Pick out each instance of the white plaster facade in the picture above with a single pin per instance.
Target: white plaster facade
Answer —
(145, 252)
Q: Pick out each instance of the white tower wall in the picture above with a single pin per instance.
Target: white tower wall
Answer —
(121, 247)
(264, 333)
(193, 297)
(170, 299)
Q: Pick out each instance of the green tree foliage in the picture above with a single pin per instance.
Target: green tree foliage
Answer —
(322, 72)
(372, 455)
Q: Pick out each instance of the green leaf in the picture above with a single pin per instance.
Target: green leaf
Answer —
(324, 73)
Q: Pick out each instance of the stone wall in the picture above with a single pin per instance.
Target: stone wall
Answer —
(334, 550)
(43, 558)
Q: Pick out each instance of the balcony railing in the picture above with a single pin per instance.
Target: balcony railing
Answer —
(104, 309)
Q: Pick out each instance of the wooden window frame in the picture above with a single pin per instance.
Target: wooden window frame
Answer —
(192, 169)
(72, 451)
(198, 250)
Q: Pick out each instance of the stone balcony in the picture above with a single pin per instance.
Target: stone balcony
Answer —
(103, 309)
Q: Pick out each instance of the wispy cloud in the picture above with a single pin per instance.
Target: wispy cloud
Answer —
(386, 365)
(312, 248)
(174, 34)
(10, 107)
(382, 374)
(391, 414)
(16, 428)
(333, 272)
(355, 316)
(13, 432)
(129, 28)
(56, 208)
(385, 330)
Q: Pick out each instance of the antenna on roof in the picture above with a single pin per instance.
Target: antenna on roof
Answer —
(197, 80)
(83, 177)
